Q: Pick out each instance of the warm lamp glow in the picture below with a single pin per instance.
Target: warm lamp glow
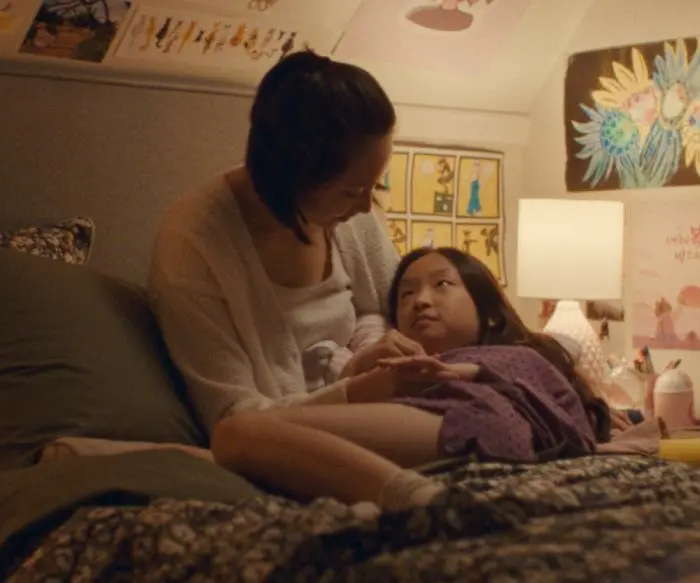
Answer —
(570, 249)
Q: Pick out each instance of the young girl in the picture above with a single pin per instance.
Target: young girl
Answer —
(491, 386)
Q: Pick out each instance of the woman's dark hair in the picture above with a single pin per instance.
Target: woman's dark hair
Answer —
(309, 118)
(500, 324)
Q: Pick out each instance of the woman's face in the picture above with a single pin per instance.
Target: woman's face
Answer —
(434, 307)
(352, 192)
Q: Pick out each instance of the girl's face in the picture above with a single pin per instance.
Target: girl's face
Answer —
(434, 307)
(352, 192)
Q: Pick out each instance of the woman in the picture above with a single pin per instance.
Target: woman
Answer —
(443, 300)
(269, 282)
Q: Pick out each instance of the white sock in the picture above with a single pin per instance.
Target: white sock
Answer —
(366, 510)
(407, 489)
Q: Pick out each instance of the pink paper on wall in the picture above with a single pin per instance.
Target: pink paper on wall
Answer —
(455, 36)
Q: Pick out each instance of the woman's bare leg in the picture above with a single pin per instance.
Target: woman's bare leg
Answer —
(350, 452)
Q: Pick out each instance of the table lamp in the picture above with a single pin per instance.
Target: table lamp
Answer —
(571, 250)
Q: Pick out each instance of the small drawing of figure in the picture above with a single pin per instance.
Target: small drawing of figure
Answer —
(211, 37)
(261, 5)
(665, 329)
(237, 38)
(150, 33)
(251, 41)
(222, 41)
(187, 36)
(268, 38)
(467, 242)
(490, 240)
(398, 237)
(386, 181)
(137, 30)
(260, 51)
(604, 330)
(173, 37)
(163, 32)
(288, 45)
(428, 238)
(445, 174)
(474, 204)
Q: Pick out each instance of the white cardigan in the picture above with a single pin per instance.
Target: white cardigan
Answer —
(220, 316)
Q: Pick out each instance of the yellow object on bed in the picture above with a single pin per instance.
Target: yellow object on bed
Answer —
(681, 449)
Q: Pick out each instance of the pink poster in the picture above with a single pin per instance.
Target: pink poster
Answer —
(455, 36)
(664, 262)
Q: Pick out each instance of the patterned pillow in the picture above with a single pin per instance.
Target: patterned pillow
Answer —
(70, 240)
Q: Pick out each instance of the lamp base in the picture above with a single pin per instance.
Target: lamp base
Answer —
(568, 319)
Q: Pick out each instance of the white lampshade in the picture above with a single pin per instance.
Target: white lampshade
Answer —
(570, 249)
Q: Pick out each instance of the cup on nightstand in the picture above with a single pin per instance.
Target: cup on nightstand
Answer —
(674, 400)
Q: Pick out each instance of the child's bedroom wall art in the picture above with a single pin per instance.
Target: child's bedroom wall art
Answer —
(664, 262)
(454, 36)
(447, 197)
(633, 117)
(199, 39)
(82, 30)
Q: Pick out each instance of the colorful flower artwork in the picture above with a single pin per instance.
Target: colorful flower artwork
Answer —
(633, 117)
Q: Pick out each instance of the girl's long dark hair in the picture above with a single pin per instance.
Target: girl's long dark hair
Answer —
(500, 324)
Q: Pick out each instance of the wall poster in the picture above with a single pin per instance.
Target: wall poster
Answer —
(203, 39)
(447, 197)
(664, 262)
(82, 30)
(632, 117)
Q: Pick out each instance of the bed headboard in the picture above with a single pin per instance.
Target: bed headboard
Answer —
(117, 154)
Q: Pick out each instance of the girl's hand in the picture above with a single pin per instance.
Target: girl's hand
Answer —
(619, 420)
(428, 369)
(393, 344)
(381, 385)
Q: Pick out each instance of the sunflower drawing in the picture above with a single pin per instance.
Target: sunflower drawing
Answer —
(632, 90)
(610, 142)
(643, 124)
(691, 136)
(690, 126)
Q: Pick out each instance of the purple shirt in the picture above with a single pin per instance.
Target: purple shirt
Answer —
(519, 408)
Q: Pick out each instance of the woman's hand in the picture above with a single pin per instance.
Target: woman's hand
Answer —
(392, 344)
(428, 369)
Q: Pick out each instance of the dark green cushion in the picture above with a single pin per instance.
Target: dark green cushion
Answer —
(81, 355)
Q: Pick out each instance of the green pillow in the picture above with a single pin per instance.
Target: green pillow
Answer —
(81, 355)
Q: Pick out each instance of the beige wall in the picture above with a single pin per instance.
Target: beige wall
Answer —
(120, 153)
(608, 23)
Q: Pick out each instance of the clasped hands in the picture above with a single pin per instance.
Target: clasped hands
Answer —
(397, 366)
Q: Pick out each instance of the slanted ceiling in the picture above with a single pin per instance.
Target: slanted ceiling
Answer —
(489, 55)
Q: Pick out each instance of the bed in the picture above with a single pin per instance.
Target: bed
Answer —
(81, 355)
(168, 517)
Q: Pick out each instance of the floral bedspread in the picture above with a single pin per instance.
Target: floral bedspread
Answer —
(592, 519)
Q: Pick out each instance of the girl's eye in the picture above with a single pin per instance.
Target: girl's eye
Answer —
(405, 294)
(444, 283)
(380, 187)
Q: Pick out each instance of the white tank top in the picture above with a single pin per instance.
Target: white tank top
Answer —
(322, 317)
